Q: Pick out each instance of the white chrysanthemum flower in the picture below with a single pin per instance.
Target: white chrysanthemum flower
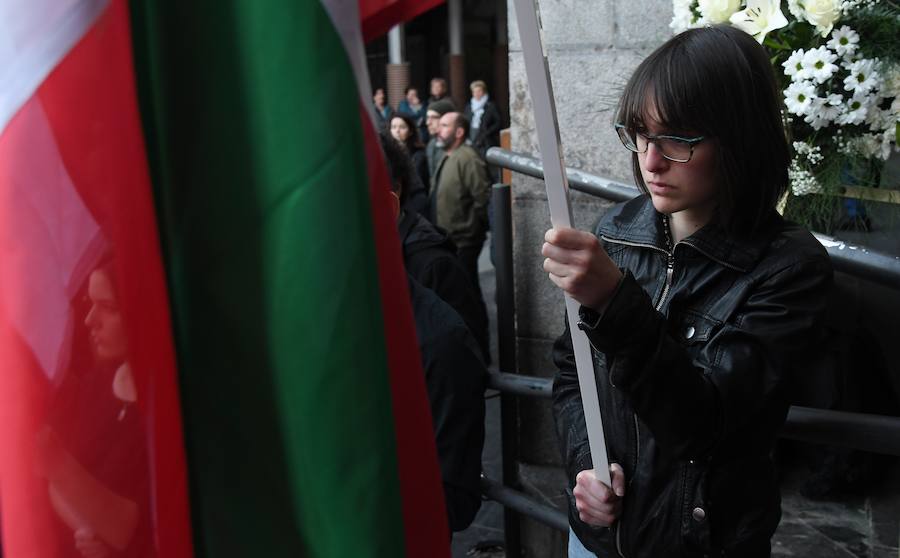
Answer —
(823, 111)
(863, 76)
(820, 62)
(717, 11)
(799, 96)
(844, 41)
(856, 109)
(794, 67)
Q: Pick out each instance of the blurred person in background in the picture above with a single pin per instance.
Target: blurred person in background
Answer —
(403, 130)
(415, 108)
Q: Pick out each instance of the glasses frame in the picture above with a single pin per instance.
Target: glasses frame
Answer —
(652, 138)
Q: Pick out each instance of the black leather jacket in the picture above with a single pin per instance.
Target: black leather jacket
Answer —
(695, 358)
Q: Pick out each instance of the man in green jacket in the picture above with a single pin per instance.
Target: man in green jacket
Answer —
(462, 188)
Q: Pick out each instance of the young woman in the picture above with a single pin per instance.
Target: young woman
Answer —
(701, 304)
(403, 130)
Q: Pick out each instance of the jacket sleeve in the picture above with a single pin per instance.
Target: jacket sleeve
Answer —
(741, 374)
(455, 376)
(449, 281)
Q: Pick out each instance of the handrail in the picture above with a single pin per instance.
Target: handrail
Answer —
(524, 504)
(857, 260)
(860, 431)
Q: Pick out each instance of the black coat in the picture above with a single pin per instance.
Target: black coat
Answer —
(488, 134)
(692, 395)
(455, 379)
(420, 165)
(430, 258)
(416, 198)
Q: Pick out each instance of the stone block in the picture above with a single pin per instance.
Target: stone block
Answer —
(569, 23)
(536, 353)
(587, 86)
(642, 23)
(539, 303)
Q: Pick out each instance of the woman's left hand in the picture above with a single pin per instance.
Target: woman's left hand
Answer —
(579, 265)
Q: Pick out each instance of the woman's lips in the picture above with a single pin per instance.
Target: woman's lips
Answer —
(660, 188)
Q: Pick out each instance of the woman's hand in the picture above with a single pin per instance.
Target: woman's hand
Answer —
(579, 265)
(598, 504)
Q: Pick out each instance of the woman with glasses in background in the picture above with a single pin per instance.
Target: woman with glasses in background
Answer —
(700, 303)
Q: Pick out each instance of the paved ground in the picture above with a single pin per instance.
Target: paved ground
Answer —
(850, 526)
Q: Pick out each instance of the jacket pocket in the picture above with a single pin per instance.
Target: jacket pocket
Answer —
(693, 330)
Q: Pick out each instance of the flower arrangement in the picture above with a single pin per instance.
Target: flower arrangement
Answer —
(838, 62)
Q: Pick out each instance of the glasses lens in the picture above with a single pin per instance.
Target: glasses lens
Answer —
(674, 150)
(627, 138)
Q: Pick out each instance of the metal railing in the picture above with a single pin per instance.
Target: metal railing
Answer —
(860, 431)
(846, 257)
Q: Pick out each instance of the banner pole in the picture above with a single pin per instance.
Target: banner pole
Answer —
(547, 126)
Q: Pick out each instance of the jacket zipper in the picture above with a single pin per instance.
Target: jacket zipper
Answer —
(670, 269)
(670, 264)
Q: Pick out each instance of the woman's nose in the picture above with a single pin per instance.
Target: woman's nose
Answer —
(653, 159)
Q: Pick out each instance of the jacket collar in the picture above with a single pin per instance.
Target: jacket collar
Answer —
(638, 222)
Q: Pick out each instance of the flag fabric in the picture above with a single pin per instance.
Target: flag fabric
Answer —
(306, 416)
(378, 16)
(297, 421)
(91, 450)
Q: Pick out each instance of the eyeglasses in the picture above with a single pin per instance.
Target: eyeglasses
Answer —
(673, 148)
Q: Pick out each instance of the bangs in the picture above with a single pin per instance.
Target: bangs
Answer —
(666, 89)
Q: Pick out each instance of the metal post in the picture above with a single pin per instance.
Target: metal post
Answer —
(396, 46)
(456, 58)
(501, 236)
(398, 67)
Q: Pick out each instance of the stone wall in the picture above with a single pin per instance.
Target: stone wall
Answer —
(593, 46)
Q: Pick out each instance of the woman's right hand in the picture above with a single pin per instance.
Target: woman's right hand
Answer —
(577, 263)
(598, 504)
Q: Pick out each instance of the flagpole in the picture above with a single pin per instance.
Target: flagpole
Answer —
(557, 185)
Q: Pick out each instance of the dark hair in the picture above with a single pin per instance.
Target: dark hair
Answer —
(399, 165)
(413, 142)
(410, 88)
(463, 122)
(718, 82)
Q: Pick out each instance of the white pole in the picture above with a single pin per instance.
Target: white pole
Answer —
(395, 45)
(455, 9)
(547, 127)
